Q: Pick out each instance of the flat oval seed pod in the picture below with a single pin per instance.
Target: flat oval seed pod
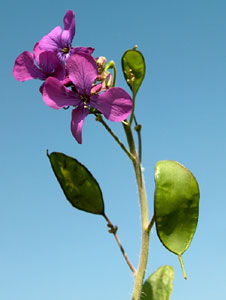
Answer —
(176, 205)
(133, 66)
(78, 184)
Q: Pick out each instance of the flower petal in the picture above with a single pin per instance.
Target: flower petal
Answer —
(67, 81)
(59, 72)
(78, 116)
(36, 52)
(82, 70)
(25, 69)
(115, 104)
(69, 28)
(96, 88)
(49, 62)
(51, 65)
(88, 50)
(56, 95)
(52, 41)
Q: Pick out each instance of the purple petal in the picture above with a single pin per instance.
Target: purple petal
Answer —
(88, 50)
(67, 81)
(49, 62)
(115, 104)
(51, 65)
(78, 116)
(96, 88)
(56, 95)
(52, 41)
(69, 28)
(25, 69)
(36, 52)
(59, 72)
(41, 88)
(82, 70)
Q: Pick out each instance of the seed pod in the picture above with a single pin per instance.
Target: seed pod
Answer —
(133, 66)
(176, 205)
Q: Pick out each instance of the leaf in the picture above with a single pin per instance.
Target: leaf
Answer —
(159, 285)
(133, 66)
(78, 184)
(176, 205)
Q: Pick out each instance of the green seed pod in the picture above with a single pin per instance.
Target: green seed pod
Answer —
(133, 66)
(176, 205)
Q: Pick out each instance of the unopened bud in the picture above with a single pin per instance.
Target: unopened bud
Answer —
(109, 81)
(101, 61)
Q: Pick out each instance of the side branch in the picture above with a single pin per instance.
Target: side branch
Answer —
(113, 230)
(100, 119)
(150, 225)
(138, 130)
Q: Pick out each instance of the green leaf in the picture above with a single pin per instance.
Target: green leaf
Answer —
(159, 285)
(133, 66)
(176, 205)
(78, 184)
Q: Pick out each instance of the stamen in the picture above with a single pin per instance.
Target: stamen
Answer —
(65, 50)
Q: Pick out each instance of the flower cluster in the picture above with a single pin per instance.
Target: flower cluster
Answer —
(72, 77)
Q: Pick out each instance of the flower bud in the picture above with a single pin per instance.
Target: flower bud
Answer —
(101, 62)
(108, 81)
(104, 76)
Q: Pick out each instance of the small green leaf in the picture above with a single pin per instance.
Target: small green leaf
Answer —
(159, 285)
(176, 205)
(133, 66)
(78, 184)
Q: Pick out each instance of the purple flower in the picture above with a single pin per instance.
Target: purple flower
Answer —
(60, 41)
(115, 103)
(25, 67)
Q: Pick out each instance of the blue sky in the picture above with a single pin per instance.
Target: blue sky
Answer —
(48, 249)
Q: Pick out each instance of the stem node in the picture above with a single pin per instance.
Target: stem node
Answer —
(113, 230)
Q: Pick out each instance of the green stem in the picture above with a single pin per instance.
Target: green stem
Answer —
(150, 225)
(138, 284)
(138, 130)
(132, 113)
(111, 65)
(182, 266)
(100, 119)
